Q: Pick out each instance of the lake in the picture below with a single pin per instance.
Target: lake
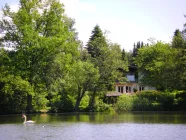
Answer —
(95, 126)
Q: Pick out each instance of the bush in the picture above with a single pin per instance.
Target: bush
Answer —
(62, 104)
(180, 101)
(84, 103)
(152, 101)
(167, 101)
(100, 106)
(13, 94)
(141, 104)
(124, 103)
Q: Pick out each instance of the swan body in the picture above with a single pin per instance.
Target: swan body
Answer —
(27, 122)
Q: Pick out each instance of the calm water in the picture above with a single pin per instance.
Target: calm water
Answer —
(95, 126)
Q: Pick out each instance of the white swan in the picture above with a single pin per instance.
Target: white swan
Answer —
(27, 122)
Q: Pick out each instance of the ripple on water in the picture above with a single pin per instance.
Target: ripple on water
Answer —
(136, 126)
(84, 131)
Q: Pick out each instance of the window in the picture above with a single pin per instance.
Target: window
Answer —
(131, 78)
(141, 88)
(120, 89)
(128, 89)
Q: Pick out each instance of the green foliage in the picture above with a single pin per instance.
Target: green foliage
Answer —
(107, 57)
(84, 103)
(152, 101)
(178, 40)
(156, 63)
(82, 77)
(125, 57)
(13, 89)
(124, 103)
(180, 101)
(100, 106)
(96, 42)
(13, 94)
(179, 44)
(48, 67)
(61, 103)
(44, 46)
(164, 62)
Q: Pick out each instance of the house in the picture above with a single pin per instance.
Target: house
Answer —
(129, 87)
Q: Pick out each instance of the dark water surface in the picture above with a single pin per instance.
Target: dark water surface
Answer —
(95, 126)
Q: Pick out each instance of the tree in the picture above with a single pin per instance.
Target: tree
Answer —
(184, 29)
(179, 44)
(107, 58)
(164, 62)
(84, 76)
(155, 64)
(124, 56)
(13, 89)
(39, 33)
(178, 40)
(136, 47)
(93, 48)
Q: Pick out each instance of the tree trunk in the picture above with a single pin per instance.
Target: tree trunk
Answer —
(76, 108)
(92, 100)
(80, 96)
(29, 107)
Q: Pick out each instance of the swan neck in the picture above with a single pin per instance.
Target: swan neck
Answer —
(25, 118)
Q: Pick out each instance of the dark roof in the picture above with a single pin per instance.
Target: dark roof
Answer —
(131, 68)
(125, 84)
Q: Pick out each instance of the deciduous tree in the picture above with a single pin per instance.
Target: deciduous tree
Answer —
(39, 33)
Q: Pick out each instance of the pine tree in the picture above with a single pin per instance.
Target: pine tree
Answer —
(107, 58)
(142, 44)
(178, 40)
(97, 36)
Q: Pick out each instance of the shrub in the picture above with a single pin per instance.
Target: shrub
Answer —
(167, 101)
(100, 106)
(84, 103)
(152, 101)
(180, 101)
(124, 103)
(141, 104)
(62, 104)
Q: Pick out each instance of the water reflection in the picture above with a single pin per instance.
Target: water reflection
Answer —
(96, 126)
(130, 117)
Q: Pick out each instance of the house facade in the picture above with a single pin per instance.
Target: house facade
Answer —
(129, 87)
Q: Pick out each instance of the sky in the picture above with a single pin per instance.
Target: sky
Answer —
(125, 21)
